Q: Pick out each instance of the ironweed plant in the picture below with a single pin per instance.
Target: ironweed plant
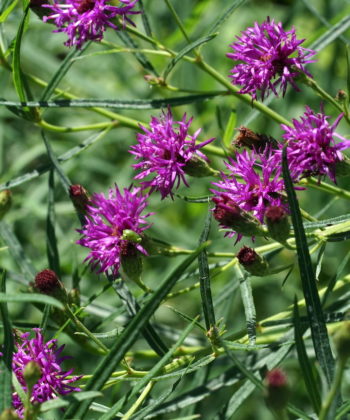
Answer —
(174, 217)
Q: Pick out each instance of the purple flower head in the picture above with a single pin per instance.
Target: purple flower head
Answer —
(247, 187)
(107, 220)
(164, 150)
(53, 381)
(271, 58)
(84, 20)
(311, 146)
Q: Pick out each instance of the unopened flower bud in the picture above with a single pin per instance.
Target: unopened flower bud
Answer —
(131, 263)
(48, 283)
(248, 138)
(154, 80)
(31, 374)
(79, 197)
(9, 414)
(252, 261)
(341, 96)
(277, 393)
(5, 202)
(342, 341)
(198, 167)
(277, 222)
(230, 215)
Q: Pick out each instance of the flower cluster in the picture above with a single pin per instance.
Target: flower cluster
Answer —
(311, 146)
(165, 151)
(109, 222)
(271, 58)
(53, 381)
(253, 182)
(86, 20)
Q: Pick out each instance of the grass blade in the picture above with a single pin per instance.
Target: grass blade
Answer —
(313, 304)
(225, 15)
(129, 336)
(204, 278)
(331, 35)
(248, 303)
(6, 359)
(51, 241)
(230, 127)
(312, 387)
(185, 51)
(30, 298)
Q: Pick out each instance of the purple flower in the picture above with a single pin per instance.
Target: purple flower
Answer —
(166, 150)
(53, 381)
(271, 57)
(249, 189)
(311, 146)
(109, 224)
(84, 20)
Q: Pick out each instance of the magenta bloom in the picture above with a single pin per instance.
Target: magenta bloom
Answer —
(84, 20)
(53, 382)
(165, 150)
(107, 219)
(271, 58)
(249, 189)
(311, 146)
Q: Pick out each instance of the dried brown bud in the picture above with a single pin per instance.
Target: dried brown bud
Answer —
(248, 138)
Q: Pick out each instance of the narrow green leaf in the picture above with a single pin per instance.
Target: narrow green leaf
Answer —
(331, 35)
(137, 104)
(18, 77)
(30, 297)
(129, 336)
(17, 252)
(312, 388)
(313, 305)
(4, 5)
(140, 57)
(202, 199)
(51, 241)
(348, 72)
(327, 222)
(185, 51)
(145, 20)
(153, 372)
(64, 157)
(230, 126)
(4, 15)
(225, 15)
(6, 358)
(204, 278)
(68, 399)
(248, 304)
(63, 178)
(320, 256)
(132, 306)
(238, 399)
(334, 279)
(62, 70)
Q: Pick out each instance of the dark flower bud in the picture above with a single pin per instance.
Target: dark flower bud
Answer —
(5, 202)
(248, 138)
(31, 374)
(198, 167)
(341, 96)
(230, 215)
(252, 261)
(277, 222)
(276, 393)
(342, 341)
(48, 283)
(79, 197)
(9, 414)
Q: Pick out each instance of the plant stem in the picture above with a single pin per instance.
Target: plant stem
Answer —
(98, 126)
(139, 401)
(332, 394)
(323, 186)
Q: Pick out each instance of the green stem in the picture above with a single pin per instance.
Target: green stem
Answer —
(82, 328)
(323, 186)
(325, 95)
(242, 97)
(332, 394)
(98, 126)
(178, 21)
(139, 401)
